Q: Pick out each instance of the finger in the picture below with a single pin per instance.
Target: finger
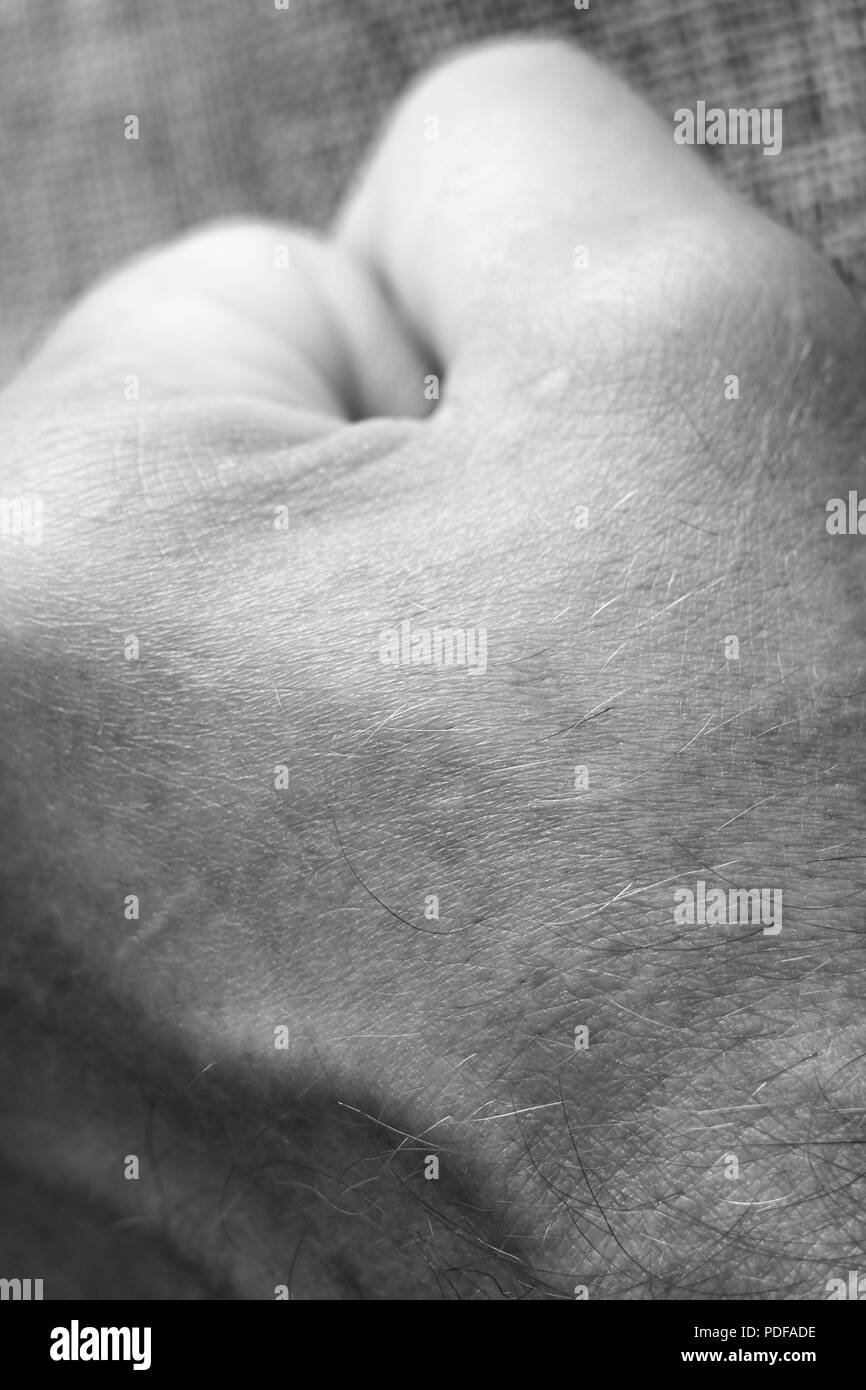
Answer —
(238, 309)
(514, 184)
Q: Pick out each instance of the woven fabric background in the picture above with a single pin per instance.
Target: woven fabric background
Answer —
(247, 108)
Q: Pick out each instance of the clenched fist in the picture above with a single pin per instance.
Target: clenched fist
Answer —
(433, 736)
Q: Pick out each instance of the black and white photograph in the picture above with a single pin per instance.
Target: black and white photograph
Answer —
(432, 665)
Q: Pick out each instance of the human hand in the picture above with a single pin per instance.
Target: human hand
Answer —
(400, 864)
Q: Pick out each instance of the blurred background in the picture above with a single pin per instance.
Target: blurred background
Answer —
(244, 107)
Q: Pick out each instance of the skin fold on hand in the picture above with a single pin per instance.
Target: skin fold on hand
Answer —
(284, 805)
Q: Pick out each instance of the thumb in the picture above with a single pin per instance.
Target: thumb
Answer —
(493, 169)
(525, 202)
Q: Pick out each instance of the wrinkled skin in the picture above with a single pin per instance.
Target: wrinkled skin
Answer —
(261, 906)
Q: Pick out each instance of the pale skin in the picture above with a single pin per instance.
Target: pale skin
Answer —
(307, 907)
